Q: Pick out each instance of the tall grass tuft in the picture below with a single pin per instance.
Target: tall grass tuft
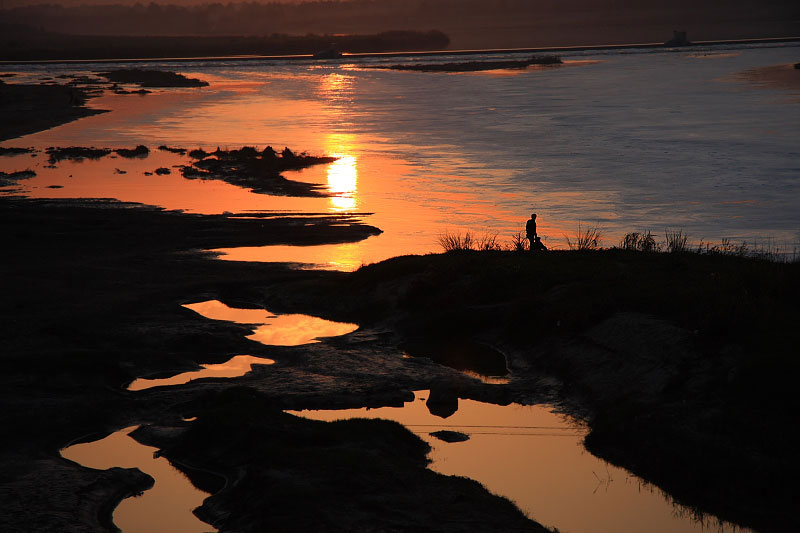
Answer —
(451, 242)
(676, 241)
(518, 242)
(487, 241)
(468, 241)
(642, 242)
(586, 238)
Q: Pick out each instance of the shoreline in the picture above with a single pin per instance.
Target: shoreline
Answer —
(345, 57)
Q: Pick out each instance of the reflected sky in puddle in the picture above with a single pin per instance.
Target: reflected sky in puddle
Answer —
(165, 508)
(536, 458)
(275, 330)
(234, 367)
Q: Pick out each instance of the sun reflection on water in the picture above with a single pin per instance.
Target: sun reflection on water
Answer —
(343, 183)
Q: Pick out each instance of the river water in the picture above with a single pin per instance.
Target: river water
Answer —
(702, 139)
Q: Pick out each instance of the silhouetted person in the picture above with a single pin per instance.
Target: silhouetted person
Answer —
(530, 230)
(537, 245)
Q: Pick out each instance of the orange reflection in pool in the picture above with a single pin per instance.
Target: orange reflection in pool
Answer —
(234, 367)
(167, 507)
(275, 330)
(536, 458)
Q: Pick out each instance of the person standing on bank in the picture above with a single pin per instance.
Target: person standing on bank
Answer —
(530, 230)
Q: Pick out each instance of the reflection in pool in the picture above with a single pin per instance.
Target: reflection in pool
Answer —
(275, 330)
(234, 367)
(536, 458)
(167, 507)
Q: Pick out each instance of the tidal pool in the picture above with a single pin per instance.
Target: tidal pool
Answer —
(167, 507)
(535, 457)
(275, 330)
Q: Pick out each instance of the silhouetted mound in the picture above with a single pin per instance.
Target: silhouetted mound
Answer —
(76, 153)
(162, 171)
(474, 66)
(450, 436)
(139, 151)
(152, 78)
(30, 108)
(306, 475)
(258, 171)
(14, 151)
(165, 148)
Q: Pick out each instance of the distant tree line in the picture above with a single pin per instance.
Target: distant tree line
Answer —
(467, 22)
(360, 16)
(20, 45)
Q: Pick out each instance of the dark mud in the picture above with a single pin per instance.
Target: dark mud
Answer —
(475, 66)
(152, 78)
(259, 171)
(30, 108)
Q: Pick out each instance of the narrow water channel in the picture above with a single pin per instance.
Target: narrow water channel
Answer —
(165, 508)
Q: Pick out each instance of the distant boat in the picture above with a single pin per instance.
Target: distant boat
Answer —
(332, 52)
(678, 39)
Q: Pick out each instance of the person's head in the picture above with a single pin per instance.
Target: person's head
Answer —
(538, 239)
(533, 216)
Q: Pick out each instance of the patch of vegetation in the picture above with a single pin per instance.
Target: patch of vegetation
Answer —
(15, 151)
(165, 148)
(75, 153)
(138, 152)
(152, 78)
(258, 170)
(451, 242)
(642, 242)
(585, 238)
(11, 178)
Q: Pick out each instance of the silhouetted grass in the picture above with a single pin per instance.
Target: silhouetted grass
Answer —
(642, 242)
(676, 241)
(585, 238)
(451, 242)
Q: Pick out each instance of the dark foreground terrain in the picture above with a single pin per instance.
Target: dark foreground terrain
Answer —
(683, 364)
(92, 293)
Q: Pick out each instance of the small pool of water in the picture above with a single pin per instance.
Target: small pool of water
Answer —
(234, 367)
(275, 330)
(535, 457)
(167, 507)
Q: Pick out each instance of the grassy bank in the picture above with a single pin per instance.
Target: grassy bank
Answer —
(686, 363)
